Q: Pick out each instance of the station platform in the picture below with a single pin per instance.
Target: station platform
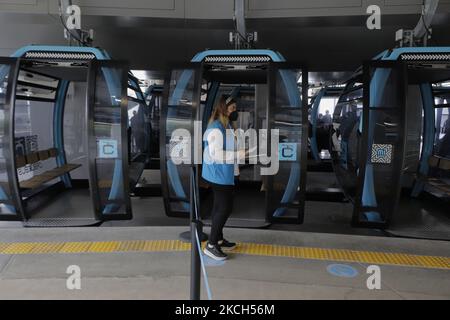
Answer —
(152, 263)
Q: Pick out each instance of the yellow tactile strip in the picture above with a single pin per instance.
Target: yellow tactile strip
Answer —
(369, 257)
(342, 255)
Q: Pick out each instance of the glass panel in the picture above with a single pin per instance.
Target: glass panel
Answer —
(442, 139)
(35, 85)
(33, 78)
(286, 117)
(414, 133)
(346, 143)
(132, 93)
(33, 133)
(320, 117)
(384, 87)
(154, 102)
(354, 94)
(441, 93)
(385, 145)
(108, 115)
(384, 157)
(75, 144)
(179, 110)
(25, 92)
(139, 143)
(326, 109)
(440, 162)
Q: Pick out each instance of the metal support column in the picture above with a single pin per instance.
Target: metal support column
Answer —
(196, 229)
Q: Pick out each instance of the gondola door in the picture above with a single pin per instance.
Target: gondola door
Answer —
(10, 201)
(107, 123)
(285, 176)
(383, 140)
(179, 149)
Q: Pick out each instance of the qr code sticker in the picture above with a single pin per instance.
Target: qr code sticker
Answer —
(382, 153)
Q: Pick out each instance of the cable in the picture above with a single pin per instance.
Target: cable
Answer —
(240, 35)
(71, 34)
(428, 31)
(199, 247)
(80, 41)
(202, 263)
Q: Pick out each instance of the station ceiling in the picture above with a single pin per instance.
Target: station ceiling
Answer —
(325, 44)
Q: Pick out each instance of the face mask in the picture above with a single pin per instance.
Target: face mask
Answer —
(233, 116)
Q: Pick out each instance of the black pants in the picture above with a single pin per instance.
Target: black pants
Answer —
(223, 205)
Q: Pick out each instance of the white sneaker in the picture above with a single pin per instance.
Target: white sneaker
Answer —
(214, 252)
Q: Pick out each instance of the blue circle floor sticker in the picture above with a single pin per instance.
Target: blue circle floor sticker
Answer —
(211, 262)
(342, 270)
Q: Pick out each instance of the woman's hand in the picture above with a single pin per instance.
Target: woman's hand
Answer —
(242, 154)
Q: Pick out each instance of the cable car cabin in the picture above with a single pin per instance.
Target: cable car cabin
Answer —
(271, 96)
(391, 133)
(320, 119)
(65, 151)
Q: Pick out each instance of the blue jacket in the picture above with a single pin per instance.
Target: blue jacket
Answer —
(213, 171)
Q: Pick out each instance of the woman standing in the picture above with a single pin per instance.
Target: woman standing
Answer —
(219, 161)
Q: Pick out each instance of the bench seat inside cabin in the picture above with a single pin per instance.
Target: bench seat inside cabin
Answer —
(38, 180)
